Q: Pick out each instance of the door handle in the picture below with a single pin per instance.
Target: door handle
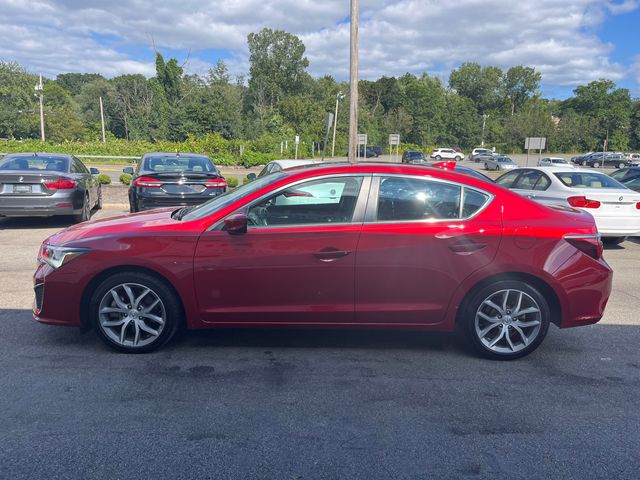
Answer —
(330, 254)
(467, 247)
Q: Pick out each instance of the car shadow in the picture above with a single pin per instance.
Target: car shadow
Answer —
(22, 223)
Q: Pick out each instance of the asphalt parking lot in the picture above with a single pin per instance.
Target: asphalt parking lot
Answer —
(314, 404)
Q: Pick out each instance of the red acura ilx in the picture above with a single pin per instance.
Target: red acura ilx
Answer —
(335, 245)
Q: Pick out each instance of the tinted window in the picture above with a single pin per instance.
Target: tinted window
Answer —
(619, 175)
(402, 198)
(49, 163)
(178, 164)
(507, 179)
(632, 183)
(587, 180)
(327, 200)
(543, 183)
(473, 201)
(78, 167)
(527, 180)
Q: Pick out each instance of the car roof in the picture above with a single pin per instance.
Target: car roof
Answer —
(38, 154)
(175, 154)
(559, 169)
(294, 163)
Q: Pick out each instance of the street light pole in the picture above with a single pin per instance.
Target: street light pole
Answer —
(339, 96)
(104, 138)
(484, 121)
(353, 83)
(39, 92)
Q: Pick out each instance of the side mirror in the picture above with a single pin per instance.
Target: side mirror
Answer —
(236, 224)
(128, 170)
(251, 176)
(94, 171)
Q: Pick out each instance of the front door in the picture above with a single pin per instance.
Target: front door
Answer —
(296, 262)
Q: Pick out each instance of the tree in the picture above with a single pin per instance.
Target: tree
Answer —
(73, 82)
(483, 85)
(18, 115)
(63, 120)
(277, 66)
(520, 84)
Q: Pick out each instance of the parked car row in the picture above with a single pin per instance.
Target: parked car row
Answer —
(604, 159)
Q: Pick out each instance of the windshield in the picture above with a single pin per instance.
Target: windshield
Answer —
(587, 180)
(231, 196)
(504, 160)
(177, 164)
(558, 160)
(35, 164)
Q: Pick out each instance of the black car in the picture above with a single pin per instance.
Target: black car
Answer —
(605, 159)
(629, 177)
(369, 152)
(414, 156)
(173, 179)
(47, 184)
(472, 172)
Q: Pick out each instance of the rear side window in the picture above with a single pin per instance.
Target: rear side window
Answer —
(402, 198)
(587, 180)
(473, 201)
(527, 180)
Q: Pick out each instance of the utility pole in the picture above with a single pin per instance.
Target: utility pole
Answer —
(104, 138)
(353, 83)
(339, 96)
(39, 93)
(484, 121)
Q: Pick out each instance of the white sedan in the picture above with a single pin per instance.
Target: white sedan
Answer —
(554, 162)
(615, 208)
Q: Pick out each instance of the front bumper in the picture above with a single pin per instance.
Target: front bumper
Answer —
(57, 296)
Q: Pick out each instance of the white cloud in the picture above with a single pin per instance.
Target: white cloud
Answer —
(555, 36)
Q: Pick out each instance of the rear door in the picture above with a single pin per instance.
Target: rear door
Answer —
(421, 238)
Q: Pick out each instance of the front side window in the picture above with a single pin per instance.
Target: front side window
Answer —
(402, 198)
(507, 179)
(322, 201)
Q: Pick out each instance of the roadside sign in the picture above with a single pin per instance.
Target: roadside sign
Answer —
(297, 139)
(362, 139)
(535, 143)
(394, 139)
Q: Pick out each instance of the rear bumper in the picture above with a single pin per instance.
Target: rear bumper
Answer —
(148, 201)
(628, 226)
(60, 203)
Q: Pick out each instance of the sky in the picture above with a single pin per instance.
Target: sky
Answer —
(571, 42)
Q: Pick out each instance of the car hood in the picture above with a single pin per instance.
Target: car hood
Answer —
(123, 224)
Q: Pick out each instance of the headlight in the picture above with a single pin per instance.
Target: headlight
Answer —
(59, 256)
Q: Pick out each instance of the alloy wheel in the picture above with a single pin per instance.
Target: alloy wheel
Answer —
(508, 321)
(132, 315)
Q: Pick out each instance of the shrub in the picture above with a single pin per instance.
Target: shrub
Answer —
(232, 182)
(246, 180)
(104, 179)
(125, 178)
(252, 159)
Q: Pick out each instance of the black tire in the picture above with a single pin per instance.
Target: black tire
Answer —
(471, 305)
(621, 165)
(584, 164)
(438, 157)
(132, 205)
(85, 213)
(612, 241)
(595, 165)
(169, 300)
(486, 166)
(458, 159)
(99, 200)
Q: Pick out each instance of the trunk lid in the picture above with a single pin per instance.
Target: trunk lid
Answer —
(18, 183)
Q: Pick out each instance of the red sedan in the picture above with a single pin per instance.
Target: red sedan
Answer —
(335, 245)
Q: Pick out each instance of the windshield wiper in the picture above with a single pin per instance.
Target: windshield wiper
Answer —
(183, 211)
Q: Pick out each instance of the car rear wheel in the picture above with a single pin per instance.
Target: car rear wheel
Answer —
(611, 241)
(85, 213)
(596, 164)
(438, 157)
(584, 164)
(135, 312)
(458, 159)
(506, 320)
(621, 165)
(486, 166)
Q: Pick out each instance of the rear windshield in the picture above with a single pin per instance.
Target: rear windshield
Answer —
(587, 180)
(35, 164)
(504, 160)
(558, 160)
(178, 164)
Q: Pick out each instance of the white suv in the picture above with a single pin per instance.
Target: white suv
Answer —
(447, 154)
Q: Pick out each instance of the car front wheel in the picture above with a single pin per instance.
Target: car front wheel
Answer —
(135, 312)
(621, 165)
(506, 320)
(596, 164)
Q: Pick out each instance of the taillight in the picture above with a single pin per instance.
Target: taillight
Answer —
(147, 182)
(60, 184)
(638, 206)
(591, 244)
(583, 202)
(216, 183)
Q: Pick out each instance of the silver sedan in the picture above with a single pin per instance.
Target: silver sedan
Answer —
(499, 162)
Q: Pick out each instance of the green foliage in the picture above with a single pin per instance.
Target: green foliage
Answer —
(125, 179)
(232, 182)
(252, 159)
(246, 180)
(104, 179)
